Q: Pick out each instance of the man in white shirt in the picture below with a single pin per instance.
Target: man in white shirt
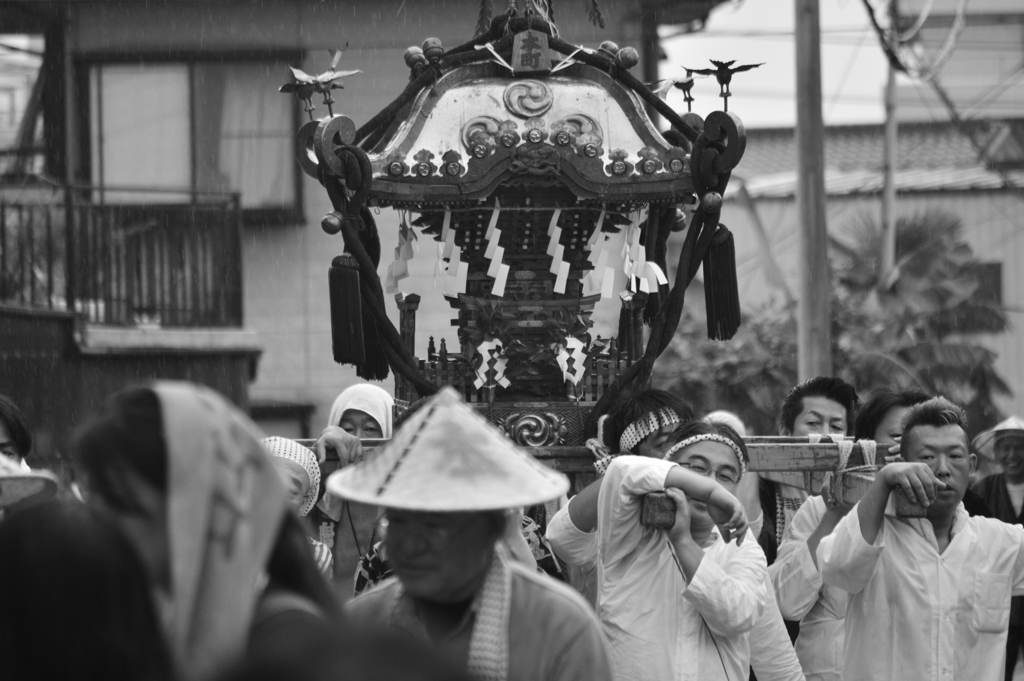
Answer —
(802, 597)
(929, 597)
(675, 604)
(771, 654)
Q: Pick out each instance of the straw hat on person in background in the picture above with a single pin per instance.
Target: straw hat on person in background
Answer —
(18, 483)
(984, 443)
(448, 458)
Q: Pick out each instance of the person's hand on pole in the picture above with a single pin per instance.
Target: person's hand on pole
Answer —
(347, 446)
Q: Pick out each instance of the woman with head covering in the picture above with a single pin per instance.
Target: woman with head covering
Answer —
(75, 600)
(183, 473)
(361, 412)
(300, 474)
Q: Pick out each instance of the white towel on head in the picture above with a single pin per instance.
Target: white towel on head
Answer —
(369, 399)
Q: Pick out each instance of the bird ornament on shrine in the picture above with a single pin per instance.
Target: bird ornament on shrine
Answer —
(723, 72)
(306, 85)
(685, 84)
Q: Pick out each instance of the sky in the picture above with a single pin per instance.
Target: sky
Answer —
(752, 31)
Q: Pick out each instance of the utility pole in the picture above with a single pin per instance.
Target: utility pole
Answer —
(889, 163)
(814, 349)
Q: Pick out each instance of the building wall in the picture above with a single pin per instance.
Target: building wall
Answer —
(58, 385)
(993, 226)
(285, 268)
(981, 75)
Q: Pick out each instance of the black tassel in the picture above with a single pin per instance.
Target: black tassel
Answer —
(346, 311)
(721, 292)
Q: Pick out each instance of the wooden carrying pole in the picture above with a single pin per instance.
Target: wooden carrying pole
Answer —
(889, 162)
(814, 352)
(788, 460)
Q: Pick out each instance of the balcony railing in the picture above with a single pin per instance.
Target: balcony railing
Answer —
(158, 263)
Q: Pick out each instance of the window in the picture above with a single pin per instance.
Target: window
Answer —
(21, 104)
(176, 132)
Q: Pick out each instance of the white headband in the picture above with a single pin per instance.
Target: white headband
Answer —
(644, 426)
(712, 438)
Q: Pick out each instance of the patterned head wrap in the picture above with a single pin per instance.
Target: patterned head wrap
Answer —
(635, 432)
(225, 503)
(293, 451)
(711, 437)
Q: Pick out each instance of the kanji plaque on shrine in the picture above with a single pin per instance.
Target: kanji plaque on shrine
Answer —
(530, 53)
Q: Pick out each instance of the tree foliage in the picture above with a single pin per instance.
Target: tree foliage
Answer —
(915, 326)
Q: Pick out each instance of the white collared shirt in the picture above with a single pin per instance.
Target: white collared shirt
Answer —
(802, 597)
(771, 654)
(658, 626)
(915, 614)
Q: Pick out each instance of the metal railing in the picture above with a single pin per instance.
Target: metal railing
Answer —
(158, 263)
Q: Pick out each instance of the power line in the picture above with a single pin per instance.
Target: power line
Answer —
(846, 73)
(1006, 83)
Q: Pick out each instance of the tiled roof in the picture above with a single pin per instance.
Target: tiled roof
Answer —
(860, 147)
(930, 156)
(844, 182)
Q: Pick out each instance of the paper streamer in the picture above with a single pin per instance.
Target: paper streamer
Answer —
(499, 253)
(556, 258)
(492, 363)
(499, 281)
(446, 225)
(492, 244)
(389, 281)
(494, 219)
(640, 266)
(571, 360)
(449, 244)
(656, 275)
(562, 278)
(553, 225)
(461, 276)
(400, 270)
(553, 242)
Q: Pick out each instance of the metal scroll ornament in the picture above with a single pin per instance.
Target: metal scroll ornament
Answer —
(536, 430)
(528, 98)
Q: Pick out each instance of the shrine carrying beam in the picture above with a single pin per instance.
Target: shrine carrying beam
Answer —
(789, 460)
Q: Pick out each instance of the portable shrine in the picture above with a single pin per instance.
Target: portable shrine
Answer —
(537, 170)
(535, 166)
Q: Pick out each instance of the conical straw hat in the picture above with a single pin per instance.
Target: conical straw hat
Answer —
(447, 458)
(18, 484)
(984, 443)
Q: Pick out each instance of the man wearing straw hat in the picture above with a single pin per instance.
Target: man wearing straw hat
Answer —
(446, 479)
(1004, 495)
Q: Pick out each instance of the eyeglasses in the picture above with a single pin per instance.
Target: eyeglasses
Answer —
(725, 475)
